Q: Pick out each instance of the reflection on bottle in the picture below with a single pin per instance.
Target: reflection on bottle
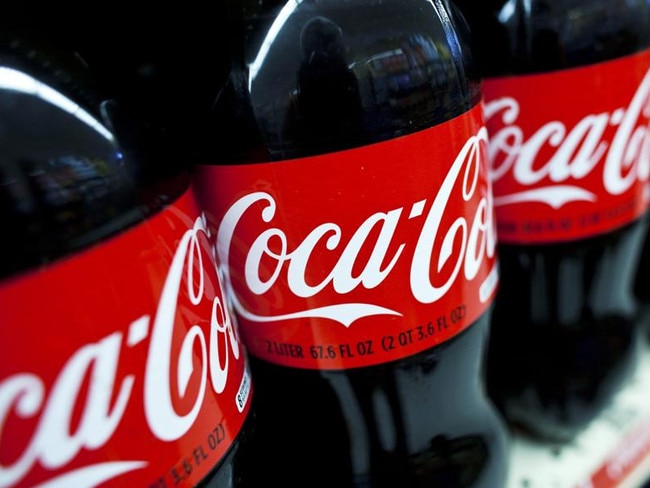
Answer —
(414, 76)
(327, 110)
(69, 182)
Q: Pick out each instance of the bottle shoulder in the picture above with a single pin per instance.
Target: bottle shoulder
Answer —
(538, 35)
(75, 167)
(323, 76)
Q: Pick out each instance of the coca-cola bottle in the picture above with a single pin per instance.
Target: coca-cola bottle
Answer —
(567, 104)
(121, 362)
(343, 173)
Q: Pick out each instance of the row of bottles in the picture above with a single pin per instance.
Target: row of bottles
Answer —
(354, 243)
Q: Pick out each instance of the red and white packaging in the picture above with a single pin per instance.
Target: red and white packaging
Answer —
(362, 256)
(121, 364)
(566, 164)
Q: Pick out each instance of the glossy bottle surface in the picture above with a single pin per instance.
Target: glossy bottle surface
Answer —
(565, 332)
(312, 78)
(83, 169)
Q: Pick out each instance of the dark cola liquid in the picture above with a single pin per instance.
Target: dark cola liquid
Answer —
(424, 421)
(352, 428)
(74, 173)
(565, 334)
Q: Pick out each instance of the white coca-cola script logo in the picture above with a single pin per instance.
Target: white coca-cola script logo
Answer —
(55, 441)
(579, 150)
(477, 239)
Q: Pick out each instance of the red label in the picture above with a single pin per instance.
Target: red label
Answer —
(362, 256)
(121, 365)
(569, 150)
(634, 449)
